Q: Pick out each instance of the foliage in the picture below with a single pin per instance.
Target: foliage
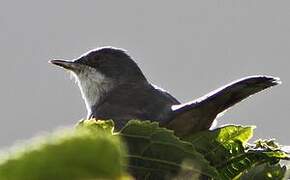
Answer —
(94, 151)
(157, 152)
(67, 155)
(265, 171)
(227, 150)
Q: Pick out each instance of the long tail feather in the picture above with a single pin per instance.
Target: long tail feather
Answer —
(199, 114)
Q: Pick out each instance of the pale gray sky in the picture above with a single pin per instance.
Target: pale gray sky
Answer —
(186, 47)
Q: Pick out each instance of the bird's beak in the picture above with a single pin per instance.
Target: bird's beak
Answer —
(69, 65)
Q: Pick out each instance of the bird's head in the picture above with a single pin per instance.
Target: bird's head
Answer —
(100, 70)
(108, 62)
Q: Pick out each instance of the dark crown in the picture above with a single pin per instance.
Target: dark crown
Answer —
(112, 62)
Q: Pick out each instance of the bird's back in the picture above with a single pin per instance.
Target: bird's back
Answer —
(135, 101)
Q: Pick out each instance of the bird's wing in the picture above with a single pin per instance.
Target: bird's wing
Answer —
(199, 114)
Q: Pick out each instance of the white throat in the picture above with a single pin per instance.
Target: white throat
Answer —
(93, 86)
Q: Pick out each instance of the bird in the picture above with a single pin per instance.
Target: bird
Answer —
(114, 87)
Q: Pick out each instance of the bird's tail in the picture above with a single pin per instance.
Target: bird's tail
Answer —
(199, 114)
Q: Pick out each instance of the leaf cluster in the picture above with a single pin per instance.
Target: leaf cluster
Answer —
(145, 151)
(223, 153)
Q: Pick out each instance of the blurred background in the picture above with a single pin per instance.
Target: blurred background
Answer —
(188, 48)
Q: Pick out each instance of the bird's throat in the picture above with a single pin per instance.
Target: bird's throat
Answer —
(93, 86)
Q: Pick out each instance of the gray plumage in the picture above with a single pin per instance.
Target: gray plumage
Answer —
(114, 87)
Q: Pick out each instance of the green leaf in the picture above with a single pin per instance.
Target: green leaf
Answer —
(227, 150)
(157, 152)
(222, 143)
(228, 134)
(265, 171)
(66, 155)
(96, 125)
